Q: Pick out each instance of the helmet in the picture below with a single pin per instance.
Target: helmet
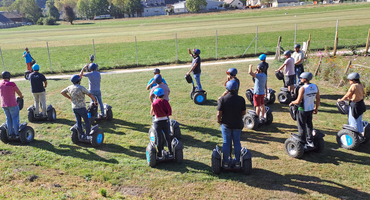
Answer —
(156, 71)
(158, 78)
(93, 66)
(36, 67)
(196, 51)
(261, 67)
(232, 72)
(26, 48)
(158, 92)
(353, 75)
(262, 57)
(286, 52)
(297, 46)
(75, 79)
(5, 75)
(231, 85)
(92, 57)
(306, 75)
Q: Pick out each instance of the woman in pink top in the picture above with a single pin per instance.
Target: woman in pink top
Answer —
(289, 71)
(9, 103)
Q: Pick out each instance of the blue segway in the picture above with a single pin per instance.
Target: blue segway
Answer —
(245, 164)
(95, 137)
(198, 96)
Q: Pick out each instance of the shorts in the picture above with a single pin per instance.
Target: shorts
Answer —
(289, 80)
(258, 99)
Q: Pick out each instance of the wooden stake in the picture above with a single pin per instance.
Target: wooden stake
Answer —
(345, 72)
(367, 43)
(308, 45)
(277, 54)
(318, 66)
(335, 43)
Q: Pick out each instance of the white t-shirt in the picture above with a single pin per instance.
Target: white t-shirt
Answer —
(309, 97)
(298, 56)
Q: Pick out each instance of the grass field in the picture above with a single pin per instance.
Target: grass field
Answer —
(115, 39)
(67, 171)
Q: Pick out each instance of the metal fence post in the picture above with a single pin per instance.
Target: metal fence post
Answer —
(216, 44)
(47, 46)
(295, 34)
(177, 58)
(94, 51)
(255, 49)
(137, 57)
(2, 58)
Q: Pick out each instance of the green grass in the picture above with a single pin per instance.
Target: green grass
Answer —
(115, 39)
(119, 165)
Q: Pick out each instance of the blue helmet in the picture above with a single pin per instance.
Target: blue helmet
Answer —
(5, 75)
(262, 57)
(75, 79)
(196, 51)
(36, 67)
(93, 66)
(158, 92)
(353, 75)
(306, 75)
(156, 71)
(231, 85)
(287, 53)
(297, 46)
(232, 72)
(158, 78)
(91, 57)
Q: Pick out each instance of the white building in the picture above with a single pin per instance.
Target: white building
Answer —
(233, 3)
(153, 8)
(180, 7)
(283, 3)
(253, 2)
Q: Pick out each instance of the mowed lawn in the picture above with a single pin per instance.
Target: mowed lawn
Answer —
(66, 170)
(70, 45)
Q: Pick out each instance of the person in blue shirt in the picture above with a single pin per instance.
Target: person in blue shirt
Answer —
(94, 83)
(28, 58)
(152, 82)
(259, 90)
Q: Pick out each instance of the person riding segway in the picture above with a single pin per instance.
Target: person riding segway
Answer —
(308, 102)
(356, 131)
(298, 63)
(231, 75)
(197, 94)
(230, 111)
(285, 94)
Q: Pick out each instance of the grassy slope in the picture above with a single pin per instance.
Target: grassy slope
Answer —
(114, 39)
(120, 165)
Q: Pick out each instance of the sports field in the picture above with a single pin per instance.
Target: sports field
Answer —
(70, 45)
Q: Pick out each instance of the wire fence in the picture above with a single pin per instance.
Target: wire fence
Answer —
(58, 59)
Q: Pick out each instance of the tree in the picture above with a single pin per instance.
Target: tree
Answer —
(6, 3)
(52, 10)
(31, 10)
(68, 14)
(118, 8)
(99, 7)
(60, 4)
(196, 5)
(131, 6)
(83, 9)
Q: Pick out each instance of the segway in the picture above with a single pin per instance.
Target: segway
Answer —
(295, 146)
(92, 112)
(284, 96)
(245, 162)
(349, 137)
(95, 138)
(269, 99)
(198, 96)
(51, 114)
(26, 134)
(251, 119)
(27, 72)
(151, 150)
(175, 131)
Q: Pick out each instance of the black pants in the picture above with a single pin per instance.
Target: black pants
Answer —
(163, 135)
(305, 125)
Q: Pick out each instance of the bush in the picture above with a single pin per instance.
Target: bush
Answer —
(40, 21)
(235, 7)
(220, 5)
(226, 5)
(49, 21)
(103, 192)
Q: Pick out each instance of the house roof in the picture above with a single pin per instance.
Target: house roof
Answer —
(11, 15)
(287, 1)
(228, 1)
(171, 1)
(4, 20)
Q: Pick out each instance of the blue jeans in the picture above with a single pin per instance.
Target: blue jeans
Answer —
(228, 135)
(197, 80)
(82, 113)
(97, 95)
(12, 119)
(356, 123)
(298, 72)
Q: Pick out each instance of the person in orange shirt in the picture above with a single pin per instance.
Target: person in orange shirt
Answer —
(355, 95)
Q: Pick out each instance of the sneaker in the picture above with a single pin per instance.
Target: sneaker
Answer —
(310, 144)
(160, 157)
(237, 164)
(262, 120)
(170, 156)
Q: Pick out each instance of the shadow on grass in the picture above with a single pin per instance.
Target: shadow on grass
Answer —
(260, 138)
(112, 126)
(185, 166)
(133, 151)
(209, 131)
(210, 102)
(70, 150)
(327, 105)
(331, 97)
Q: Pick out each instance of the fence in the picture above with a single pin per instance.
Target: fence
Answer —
(174, 50)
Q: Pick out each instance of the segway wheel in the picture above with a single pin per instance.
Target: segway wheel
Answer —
(319, 144)
(294, 148)
(74, 137)
(347, 139)
(179, 155)
(272, 99)
(151, 155)
(97, 138)
(27, 135)
(269, 118)
(250, 122)
(191, 94)
(177, 133)
(284, 97)
(4, 136)
(247, 166)
(26, 74)
(52, 115)
(199, 98)
(216, 165)
(109, 114)
(31, 116)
